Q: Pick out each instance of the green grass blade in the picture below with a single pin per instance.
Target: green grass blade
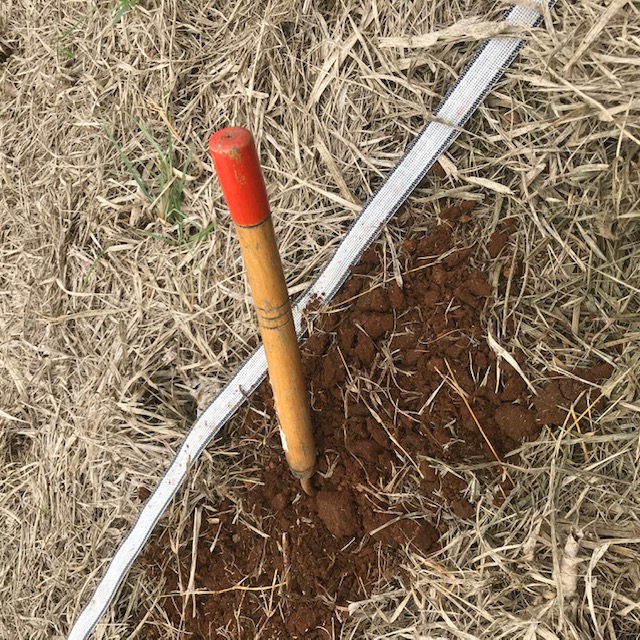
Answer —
(202, 233)
(157, 236)
(154, 144)
(134, 174)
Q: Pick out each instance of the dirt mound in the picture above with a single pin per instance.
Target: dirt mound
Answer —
(400, 375)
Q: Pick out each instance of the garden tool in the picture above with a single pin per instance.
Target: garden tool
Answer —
(238, 168)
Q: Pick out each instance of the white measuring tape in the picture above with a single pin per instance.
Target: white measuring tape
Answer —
(464, 97)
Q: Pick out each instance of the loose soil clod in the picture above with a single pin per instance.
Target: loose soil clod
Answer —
(387, 372)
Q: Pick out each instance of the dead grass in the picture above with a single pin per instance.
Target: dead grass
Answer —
(109, 333)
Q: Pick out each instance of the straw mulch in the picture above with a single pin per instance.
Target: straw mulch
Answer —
(123, 304)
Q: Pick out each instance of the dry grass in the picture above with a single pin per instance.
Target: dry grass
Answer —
(109, 333)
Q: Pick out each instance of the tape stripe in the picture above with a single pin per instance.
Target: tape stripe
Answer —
(477, 79)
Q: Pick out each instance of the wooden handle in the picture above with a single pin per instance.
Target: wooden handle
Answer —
(238, 168)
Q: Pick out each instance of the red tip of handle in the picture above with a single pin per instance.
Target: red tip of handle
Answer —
(236, 162)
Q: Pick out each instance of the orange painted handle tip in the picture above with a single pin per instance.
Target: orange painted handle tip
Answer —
(236, 162)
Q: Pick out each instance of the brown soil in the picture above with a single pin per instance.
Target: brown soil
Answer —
(386, 375)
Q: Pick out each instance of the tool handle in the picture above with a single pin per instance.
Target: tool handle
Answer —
(238, 168)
